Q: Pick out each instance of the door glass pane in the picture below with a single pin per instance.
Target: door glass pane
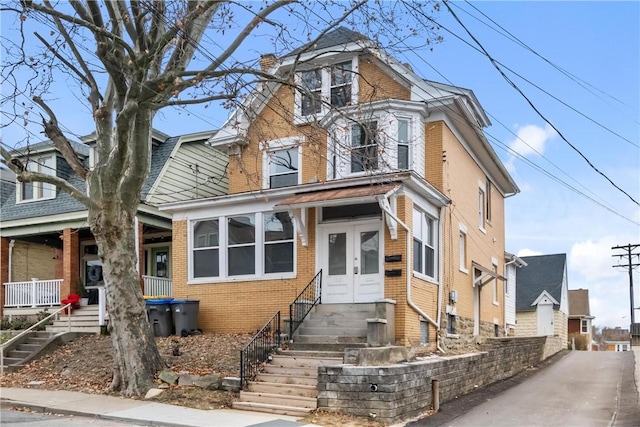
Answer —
(337, 254)
(93, 272)
(369, 253)
(161, 264)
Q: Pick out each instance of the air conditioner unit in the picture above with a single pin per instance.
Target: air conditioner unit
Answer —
(453, 296)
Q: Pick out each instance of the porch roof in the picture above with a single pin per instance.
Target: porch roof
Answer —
(336, 196)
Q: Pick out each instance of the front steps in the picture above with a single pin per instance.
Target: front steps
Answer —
(288, 383)
(26, 349)
(83, 320)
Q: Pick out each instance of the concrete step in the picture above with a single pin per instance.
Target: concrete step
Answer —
(328, 339)
(338, 321)
(303, 362)
(305, 346)
(311, 353)
(19, 354)
(272, 409)
(29, 347)
(299, 390)
(74, 328)
(344, 308)
(287, 379)
(279, 399)
(331, 330)
(291, 372)
(75, 322)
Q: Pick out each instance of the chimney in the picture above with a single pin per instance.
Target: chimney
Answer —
(267, 61)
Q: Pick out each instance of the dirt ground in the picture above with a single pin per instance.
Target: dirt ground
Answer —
(85, 365)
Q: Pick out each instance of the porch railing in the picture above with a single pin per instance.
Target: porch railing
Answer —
(304, 302)
(155, 286)
(33, 293)
(259, 348)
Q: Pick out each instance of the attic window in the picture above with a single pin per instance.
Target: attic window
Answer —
(31, 191)
(323, 88)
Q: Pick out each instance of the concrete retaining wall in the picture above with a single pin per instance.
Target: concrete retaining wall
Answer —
(395, 392)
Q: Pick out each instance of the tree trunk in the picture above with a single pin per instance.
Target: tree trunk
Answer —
(136, 356)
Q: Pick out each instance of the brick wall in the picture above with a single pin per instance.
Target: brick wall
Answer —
(400, 391)
(33, 260)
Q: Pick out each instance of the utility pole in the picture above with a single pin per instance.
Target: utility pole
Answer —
(630, 255)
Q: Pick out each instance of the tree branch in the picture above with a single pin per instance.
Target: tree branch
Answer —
(52, 130)
(25, 175)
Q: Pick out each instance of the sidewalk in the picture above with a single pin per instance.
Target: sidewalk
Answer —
(138, 411)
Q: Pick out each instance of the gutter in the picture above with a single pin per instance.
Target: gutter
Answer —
(384, 207)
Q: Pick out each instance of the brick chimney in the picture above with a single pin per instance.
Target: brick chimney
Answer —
(267, 61)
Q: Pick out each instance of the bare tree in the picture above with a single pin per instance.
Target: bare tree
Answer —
(125, 62)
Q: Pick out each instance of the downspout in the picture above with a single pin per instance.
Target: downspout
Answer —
(411, 304)
(11, 245)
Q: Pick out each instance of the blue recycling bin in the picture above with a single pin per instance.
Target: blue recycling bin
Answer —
(185, 316)
(160, 317)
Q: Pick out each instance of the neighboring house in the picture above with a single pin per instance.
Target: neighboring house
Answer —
(580, 318)
(542, 302)
(616, 339)
(512, 264)
(379, 179)
(46, 248)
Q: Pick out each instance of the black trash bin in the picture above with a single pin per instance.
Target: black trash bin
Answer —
(160, 317)
(185, 316)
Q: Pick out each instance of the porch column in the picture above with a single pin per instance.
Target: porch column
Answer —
(70, 262)
(4, 269)
(140, 244)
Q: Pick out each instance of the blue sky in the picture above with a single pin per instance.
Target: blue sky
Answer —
(598, 44)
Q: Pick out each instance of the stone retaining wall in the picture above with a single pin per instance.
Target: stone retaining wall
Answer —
(395, 392)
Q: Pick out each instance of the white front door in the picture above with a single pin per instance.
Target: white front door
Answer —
(545, 319)
(352, 263)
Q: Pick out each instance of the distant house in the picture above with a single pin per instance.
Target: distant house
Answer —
(511, 265)
(542, 303)
(616, 339)
(580, 318)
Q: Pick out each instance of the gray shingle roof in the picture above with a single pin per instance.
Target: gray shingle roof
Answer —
(63, 203)
(159, 156)
(337, 37)
(542, 273)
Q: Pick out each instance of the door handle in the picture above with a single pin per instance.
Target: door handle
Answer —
(355, 270)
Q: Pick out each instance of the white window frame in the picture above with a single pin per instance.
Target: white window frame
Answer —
(406, 143)
(224, 246)
(325, 90)
(421, 225)
(482, 200)
(40, 189)
(463, 248)
(584, 326)
(494, 283)
(279, 145)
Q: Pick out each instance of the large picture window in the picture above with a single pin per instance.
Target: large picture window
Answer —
(243, 245)
(425, 230)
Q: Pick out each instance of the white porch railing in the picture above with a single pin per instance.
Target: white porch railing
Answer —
(155, 286)
(34, 293)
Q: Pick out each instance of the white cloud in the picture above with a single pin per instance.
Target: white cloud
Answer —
(528, 252)
(532, 139)
(593, 260)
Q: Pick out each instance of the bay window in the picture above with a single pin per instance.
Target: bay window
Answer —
(364, 147)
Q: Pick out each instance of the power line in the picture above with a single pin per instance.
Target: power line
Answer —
(493, 62)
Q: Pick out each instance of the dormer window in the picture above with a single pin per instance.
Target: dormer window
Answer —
(325, 87)
(31, 191)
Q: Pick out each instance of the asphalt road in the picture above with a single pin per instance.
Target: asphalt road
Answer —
(573, 389)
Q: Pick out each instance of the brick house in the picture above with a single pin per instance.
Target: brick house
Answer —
(46, 248)
(580, 318)
(380, 182)
(542, 301)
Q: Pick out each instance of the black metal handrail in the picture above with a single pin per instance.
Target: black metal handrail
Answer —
(259, 348)
(304, 302)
